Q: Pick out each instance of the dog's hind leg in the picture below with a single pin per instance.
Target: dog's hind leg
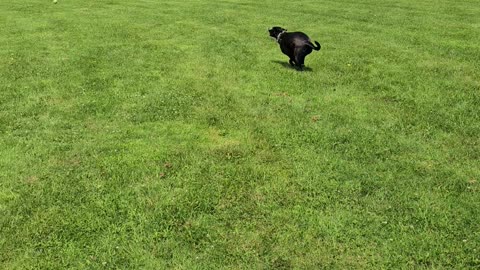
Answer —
(291, 62)
(299, 60)
(300, 54)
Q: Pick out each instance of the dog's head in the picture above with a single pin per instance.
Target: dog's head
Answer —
(276, 31)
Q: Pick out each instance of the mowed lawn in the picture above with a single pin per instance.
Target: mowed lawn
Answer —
(173, 135)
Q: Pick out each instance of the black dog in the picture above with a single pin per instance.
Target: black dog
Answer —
(295, 45)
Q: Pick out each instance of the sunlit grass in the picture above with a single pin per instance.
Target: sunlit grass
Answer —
(171, 134)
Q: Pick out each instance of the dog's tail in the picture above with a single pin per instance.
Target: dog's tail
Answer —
(313, 46)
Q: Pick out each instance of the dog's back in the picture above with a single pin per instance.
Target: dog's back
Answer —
(297, 39)
(300, 39)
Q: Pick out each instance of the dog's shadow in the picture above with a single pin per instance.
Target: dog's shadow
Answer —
(287, 65)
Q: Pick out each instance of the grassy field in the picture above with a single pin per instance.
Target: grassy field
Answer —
(173, 135)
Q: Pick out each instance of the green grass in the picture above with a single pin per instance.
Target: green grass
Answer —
(169, 134)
